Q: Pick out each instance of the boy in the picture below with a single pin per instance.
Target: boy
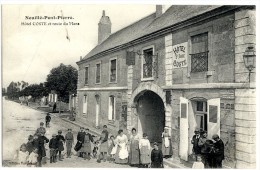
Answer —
(198, 164)
(48, 120)
(156, 157)
(60, 140)
(69, 138)
(53, 149)
(41, 129)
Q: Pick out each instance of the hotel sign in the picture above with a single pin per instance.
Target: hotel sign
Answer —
(180, 53)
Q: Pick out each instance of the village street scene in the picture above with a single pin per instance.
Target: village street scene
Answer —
(172, 86)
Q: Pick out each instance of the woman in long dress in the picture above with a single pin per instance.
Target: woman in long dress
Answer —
(166, 143)
(121, 156)
(86, 146)
(134, 154)
(145, 151)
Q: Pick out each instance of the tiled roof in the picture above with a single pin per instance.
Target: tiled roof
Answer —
(150, 24)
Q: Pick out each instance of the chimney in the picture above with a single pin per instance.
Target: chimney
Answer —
(160, 9)
(104, 28)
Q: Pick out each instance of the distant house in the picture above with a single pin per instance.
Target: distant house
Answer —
(180, 68)
(52, 97)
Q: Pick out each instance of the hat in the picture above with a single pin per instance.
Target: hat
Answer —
(41, 123)
(59, 131)
(201, 131)
(54, 135)
(196, 130)
(166, 127)
(155, 143)
(215, 136)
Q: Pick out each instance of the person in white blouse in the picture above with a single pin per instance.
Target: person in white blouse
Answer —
(145, 151)
(121, 156)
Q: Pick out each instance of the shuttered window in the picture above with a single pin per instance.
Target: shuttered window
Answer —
(86, 75)
(113, 70)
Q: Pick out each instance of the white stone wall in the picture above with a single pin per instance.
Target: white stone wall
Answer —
(168, 59)
(245, 120)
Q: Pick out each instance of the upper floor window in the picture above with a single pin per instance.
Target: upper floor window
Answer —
(199, 56)
(98, 73)
(86, 75)
(113, 70)
(147, 63)
(111, 108)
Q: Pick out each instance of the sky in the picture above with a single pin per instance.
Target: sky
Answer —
(29, 52)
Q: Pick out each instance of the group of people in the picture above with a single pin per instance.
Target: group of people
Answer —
(135, 151)
(208, 153)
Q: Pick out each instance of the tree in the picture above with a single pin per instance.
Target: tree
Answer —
(63, 79)
(34, 90)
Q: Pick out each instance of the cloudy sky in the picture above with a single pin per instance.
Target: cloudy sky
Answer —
(30, 52)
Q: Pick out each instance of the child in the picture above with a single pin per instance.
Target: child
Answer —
(48, 120)
(53, 149)
(22, 156)
(156, 157)
(32, 160)
(112, 149)
(60, 140)
(198, 164)
(96, 149)
(145, 151)
(69, 142)
(29, 144)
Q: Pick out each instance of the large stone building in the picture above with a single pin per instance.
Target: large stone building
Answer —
(182, 68)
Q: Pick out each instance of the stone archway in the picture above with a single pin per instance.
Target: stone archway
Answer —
(143, 88)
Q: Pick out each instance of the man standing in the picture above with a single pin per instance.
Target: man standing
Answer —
(54, 107)
(69, 142)
(80, 141)
(195, 142)
(47, 120)
(219, 151)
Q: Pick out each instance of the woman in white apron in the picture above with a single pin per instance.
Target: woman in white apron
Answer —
(166, 143)
(121, 156)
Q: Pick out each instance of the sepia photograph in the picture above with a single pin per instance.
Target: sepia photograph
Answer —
(128, 85)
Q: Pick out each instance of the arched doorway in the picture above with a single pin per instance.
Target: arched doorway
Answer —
(151, 115)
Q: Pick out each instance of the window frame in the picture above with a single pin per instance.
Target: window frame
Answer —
(114, 108)
(193, 32)
(85, 102)
(114, 58)
(99, 72)
(142, 63)
(86, 84)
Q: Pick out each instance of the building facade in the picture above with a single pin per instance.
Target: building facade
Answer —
(180, 68)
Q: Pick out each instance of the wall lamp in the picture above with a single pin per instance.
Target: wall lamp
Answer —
(249, 59)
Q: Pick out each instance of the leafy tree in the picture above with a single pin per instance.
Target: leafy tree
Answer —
(12, 90)
(34, 90)
(63, 79)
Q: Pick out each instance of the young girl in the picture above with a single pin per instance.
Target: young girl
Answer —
(22, 156)
(112, 149)
(198, 164)
(32, 160)
(156, 157)
(145, 151)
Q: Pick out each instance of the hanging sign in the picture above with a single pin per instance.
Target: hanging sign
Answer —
(180, 53)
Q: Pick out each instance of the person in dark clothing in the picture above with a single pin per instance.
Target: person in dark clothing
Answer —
(47, 120)
(54, 107)
(53, 149)
(207, 150)
(40, 130)
(80, 140)
(86, 147)
(156, 157)
(218, 152)
(195, 142)
(60, 141)
(29, 144)
(104, 143)
(41, 149)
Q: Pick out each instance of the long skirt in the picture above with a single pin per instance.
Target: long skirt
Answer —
(134, 154)
(104, 147)
(86, 147)
(166, 151)
(145, 155)
(117, 159)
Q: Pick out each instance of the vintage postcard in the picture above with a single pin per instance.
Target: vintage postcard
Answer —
(129, 85)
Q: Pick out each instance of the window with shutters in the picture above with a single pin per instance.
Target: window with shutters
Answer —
(86, 75)
(147, 63)
(111, 108)
(98, 73)
(113, 68)
(199, 56)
